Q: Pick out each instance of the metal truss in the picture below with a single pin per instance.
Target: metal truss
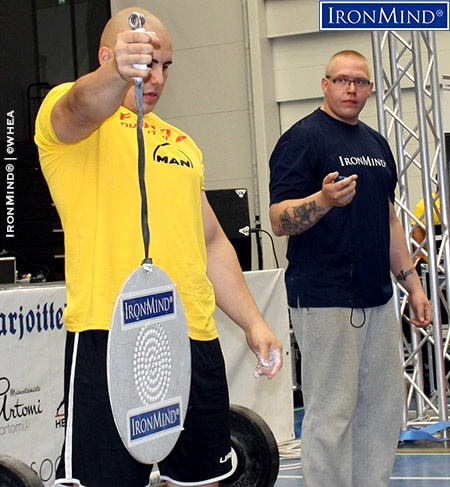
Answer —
(411, 72)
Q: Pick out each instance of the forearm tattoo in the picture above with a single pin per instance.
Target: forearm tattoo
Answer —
(404, 274)
(298, 219)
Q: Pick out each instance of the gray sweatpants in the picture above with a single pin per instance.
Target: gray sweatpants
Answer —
(353, 394)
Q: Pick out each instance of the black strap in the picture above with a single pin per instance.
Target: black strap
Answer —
(139, 91)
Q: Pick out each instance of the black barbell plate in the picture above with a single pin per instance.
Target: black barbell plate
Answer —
(15, 473)
(255, 448)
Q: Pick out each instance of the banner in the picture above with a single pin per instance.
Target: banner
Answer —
(32, 341)
(272, 399)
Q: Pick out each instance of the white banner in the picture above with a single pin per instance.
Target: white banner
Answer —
(272, 399)
(31, 390)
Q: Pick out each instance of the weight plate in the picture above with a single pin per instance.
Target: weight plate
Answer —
(14, 473)
(255, 450)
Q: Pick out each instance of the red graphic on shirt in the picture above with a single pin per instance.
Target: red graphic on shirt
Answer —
(166, 133)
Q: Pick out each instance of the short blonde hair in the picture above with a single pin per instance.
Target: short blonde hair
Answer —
(346, 53)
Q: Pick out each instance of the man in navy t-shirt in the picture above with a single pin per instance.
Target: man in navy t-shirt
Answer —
(332, 192)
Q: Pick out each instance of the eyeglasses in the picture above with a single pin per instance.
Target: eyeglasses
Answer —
(343, 82)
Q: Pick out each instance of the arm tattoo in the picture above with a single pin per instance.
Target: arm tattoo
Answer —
(404, 274)
(298, 219)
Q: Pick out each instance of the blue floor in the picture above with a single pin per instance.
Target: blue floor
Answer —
(410, 470)
(426, 467)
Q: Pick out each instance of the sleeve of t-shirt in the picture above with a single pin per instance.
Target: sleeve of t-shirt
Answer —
(391, 160)
(45, 136)
(292, 168)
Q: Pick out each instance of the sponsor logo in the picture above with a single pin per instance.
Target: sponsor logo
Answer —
(127, 121)
(16, 408)
(163, 153)
(60, 416)
(362, 161)
(160, 154)
(226, 457)
(157, 305)
(43, 318)
(146, 424)
(383, 15)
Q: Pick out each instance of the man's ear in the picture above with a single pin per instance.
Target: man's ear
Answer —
(104, 55)
(324, 83)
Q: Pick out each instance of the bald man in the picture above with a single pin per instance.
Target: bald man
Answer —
(86, 134)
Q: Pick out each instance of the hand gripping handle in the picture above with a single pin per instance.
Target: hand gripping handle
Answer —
(136, 21)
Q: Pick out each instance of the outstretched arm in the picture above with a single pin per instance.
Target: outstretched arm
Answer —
(234, 297)
(96, 96)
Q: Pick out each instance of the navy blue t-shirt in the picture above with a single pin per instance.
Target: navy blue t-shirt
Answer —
(343, 260)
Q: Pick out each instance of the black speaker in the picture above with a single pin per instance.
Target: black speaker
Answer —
(232, 211)
(32, 231)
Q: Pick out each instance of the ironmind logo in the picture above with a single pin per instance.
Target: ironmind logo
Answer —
(157, 420)
(384, 15)
(361, 161)
(152, 306)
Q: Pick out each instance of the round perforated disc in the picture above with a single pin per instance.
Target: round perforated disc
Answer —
(149, 364)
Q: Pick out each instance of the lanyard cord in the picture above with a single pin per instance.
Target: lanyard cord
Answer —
(352, 274)
(136, 21)
(139, 91)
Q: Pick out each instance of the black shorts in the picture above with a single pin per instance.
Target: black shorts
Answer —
(99, 458)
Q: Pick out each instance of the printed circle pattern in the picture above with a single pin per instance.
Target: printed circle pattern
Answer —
(152, 364)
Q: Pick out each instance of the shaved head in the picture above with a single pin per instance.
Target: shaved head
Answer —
(347, 54)
(119, 23)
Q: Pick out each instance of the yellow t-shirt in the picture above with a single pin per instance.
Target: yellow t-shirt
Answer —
(95, 187)
(419, 210)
